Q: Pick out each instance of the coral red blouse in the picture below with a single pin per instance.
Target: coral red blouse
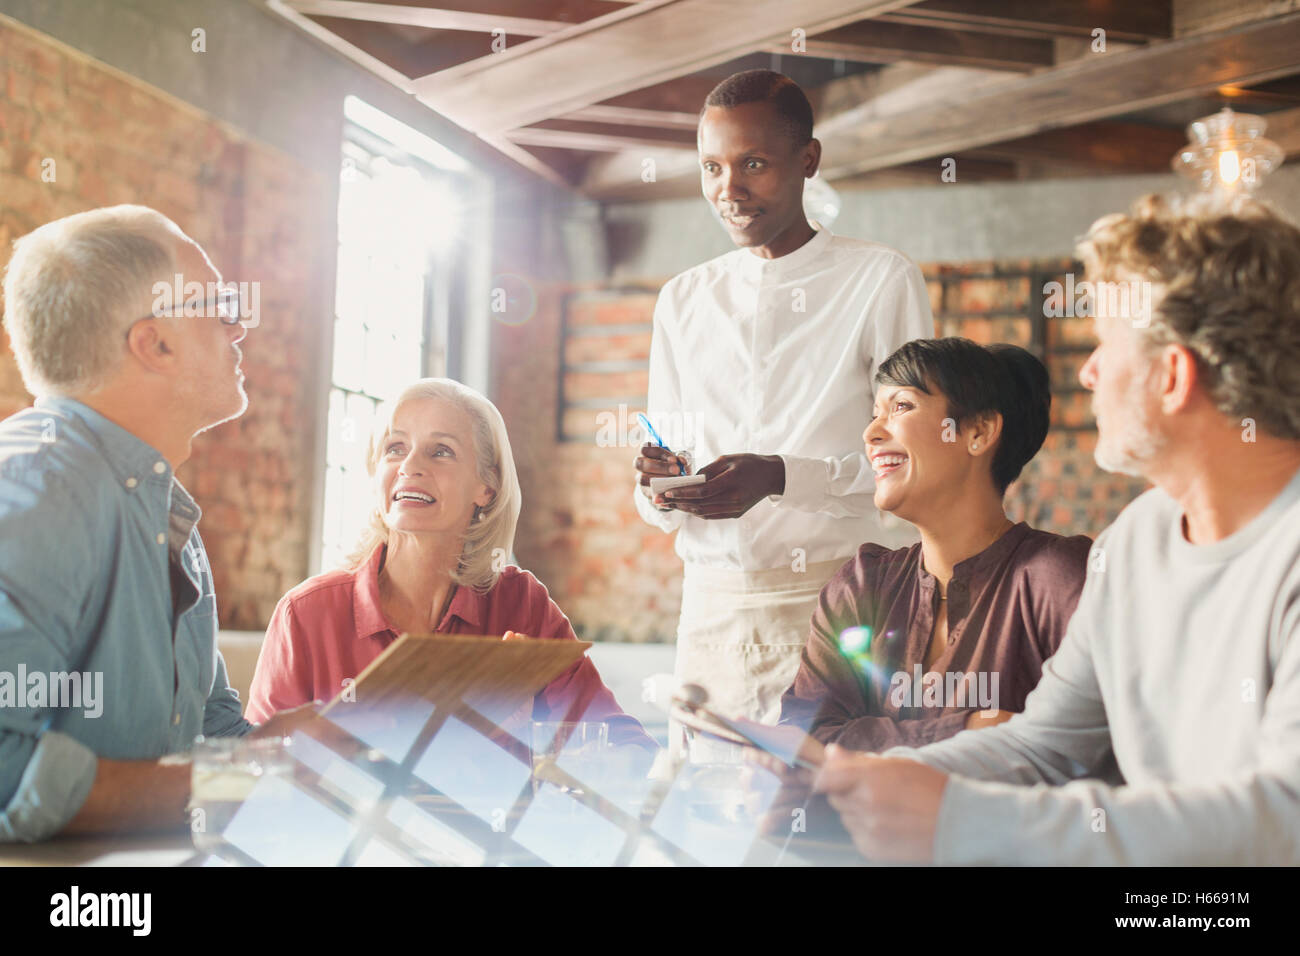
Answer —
(331, 626)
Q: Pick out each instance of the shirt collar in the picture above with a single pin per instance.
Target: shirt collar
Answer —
(756, 267)
(470, 606)
(966, 574)
(133, 460)
(368, 615)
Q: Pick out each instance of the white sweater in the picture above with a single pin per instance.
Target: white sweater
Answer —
(1183, 663)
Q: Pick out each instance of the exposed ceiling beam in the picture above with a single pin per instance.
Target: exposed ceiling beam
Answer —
(631, 116)
(439, 18)
(969, 169)
(551, 172)
(623, 175)
(906, 113)
(873, 42)
(685, 94)
(895, 88)
(1078, 92)
(1284, 129)
(629, 49)
(339, 44)
(1207, 16)
(1121, 19)
(1108, 145)
(441, 49)
(569, 134)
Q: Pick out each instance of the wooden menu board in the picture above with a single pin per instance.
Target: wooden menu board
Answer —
(444, 669)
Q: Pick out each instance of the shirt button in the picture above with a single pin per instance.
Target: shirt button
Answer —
(159, 467)
(132, 482)
(162, 538)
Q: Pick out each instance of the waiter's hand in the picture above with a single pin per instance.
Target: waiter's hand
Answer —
(658, 462)
(735, 484)
(890, 805)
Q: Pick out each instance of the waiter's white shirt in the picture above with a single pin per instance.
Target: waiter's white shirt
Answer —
(778, 356)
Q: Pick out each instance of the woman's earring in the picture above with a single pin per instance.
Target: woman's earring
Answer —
(478, 512)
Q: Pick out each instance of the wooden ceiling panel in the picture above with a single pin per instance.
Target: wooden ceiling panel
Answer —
(586, 91)
(437, 50)
(1129, 20)
(645, 43)
(876, 42)
(529, 17)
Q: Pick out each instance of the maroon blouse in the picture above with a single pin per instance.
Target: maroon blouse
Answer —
(861, 683)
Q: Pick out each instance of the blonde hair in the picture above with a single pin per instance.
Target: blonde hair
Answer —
(490, 538)
(1226, 274)
(75, 285)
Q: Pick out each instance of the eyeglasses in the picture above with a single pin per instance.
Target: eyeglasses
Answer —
(224, 308)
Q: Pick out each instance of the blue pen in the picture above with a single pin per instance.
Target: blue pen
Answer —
(645, 423)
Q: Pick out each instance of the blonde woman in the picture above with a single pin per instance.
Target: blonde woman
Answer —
(432, 560)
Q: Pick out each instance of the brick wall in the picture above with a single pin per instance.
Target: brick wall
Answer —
(614, 576)
(261, 216)
(1062, 489)
(619, 579)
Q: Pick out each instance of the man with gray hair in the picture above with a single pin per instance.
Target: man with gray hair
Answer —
(102, 571)
(1181, 664)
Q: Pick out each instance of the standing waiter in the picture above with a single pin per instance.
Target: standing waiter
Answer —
(763, 361)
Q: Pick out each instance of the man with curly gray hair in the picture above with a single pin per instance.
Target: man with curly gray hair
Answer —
(1181, 665)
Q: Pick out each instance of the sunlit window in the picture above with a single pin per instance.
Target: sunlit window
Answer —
(398, 218)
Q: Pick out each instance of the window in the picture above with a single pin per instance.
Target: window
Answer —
(399, 264)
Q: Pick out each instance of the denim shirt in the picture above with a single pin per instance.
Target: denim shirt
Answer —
(90, 516)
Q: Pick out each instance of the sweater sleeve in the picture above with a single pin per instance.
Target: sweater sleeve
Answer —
(1250, 818)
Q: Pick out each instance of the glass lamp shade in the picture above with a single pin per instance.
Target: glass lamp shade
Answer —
(1228, 152)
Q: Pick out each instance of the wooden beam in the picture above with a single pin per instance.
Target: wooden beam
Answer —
(565, 166)
(1107, 145)
(1207, 16)
(1284, 129)
(896, 88)
(555, 173)
(873, 42)
(669, 138)
(598, 137)
(1078, 92)
(631, 116)
(620, 175)
(443, 49)
(685, 94)
(427, 17)
(907, 112)
(627, 50)
(969, 169)
(1121, 19)
(324, 35)
(379, 67)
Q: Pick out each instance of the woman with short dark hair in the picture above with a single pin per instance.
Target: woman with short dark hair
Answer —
(913, 645)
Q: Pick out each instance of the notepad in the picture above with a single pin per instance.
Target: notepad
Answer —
(659, 485)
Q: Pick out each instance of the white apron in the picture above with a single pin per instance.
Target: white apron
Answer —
(741, 633)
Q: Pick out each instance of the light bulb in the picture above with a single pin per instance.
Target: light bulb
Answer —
(1229, 167)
